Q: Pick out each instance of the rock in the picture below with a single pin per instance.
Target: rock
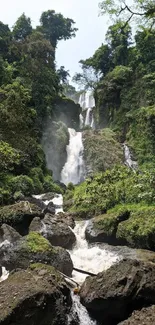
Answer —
(102, 150)
(35, 296)
(36, 225)
(19, 215)
(35, 249)
(47, 196)
(50, 208)
(145, 316)
(139, 230)
(36, 201)
(67, 218)
(58, 233)
(103, 228)
(55, 229)
(8, 233)
(112, 295)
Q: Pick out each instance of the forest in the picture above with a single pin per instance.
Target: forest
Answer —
(77, 172)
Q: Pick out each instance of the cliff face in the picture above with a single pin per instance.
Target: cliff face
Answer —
(101, 150)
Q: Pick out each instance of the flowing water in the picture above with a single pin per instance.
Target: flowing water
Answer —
(73, 171)
(87, 100)
(87, 103)
(128, 158)
(89, 258)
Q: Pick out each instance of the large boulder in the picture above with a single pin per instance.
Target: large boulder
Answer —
(145, 316)
(103, 228)
(9, 234)
(35, 296)
(55, 229)
(20, 215)
(112, 295)
(139, 230)
(35, 249)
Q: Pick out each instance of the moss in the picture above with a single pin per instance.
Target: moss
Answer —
(139, 230)
(19, 213)
(48, 269)
(35, 242)
(101, 150)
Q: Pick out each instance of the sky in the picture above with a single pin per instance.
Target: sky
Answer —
(85, 13)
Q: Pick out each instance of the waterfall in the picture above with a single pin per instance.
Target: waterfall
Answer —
(73, 171)
(79, 310)
(87, 100)
(128, 159)
(81, 121)
(87, 103)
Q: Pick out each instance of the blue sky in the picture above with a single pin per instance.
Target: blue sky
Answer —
(92, 27)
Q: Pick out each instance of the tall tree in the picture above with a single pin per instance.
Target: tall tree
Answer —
(22, 28)
(56, 27)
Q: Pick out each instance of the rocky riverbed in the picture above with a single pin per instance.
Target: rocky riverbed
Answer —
(33, 249)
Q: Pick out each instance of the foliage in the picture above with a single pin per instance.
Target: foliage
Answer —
(143, 9)
(50, 186)
(9, 157)
(118, 186)
(29, 89)
(138, 230)
(21, 183)
(22, 28)
(55, 27)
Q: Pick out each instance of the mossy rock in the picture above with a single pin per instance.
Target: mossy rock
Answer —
(139, 230)
(19, 215)
(102, 150)
(34, 248)
(35, 296)
(103, 228)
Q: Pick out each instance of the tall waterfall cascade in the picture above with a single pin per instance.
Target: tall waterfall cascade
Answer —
(73, 171)
(87, 103)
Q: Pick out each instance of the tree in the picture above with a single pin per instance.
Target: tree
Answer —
(5, 38)
(100, 61)
(37, 68)
(88, 79)
(22, 28)
(118, 38)
(55, 27)
(144, 9)
(63, 74)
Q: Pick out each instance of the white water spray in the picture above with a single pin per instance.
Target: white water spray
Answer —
(73, 171)
(128, 159)
(89, 258)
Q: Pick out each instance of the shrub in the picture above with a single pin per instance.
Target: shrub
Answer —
(23, 184)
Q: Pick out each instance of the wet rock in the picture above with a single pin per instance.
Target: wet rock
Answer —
(9, 234)
(34, 248)
(55, 229)
(58, 233)
(103, 228)
(50, 208)
(112, 295)
(67, 218)
(19, 215)
(35, 296)
(145, 316)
